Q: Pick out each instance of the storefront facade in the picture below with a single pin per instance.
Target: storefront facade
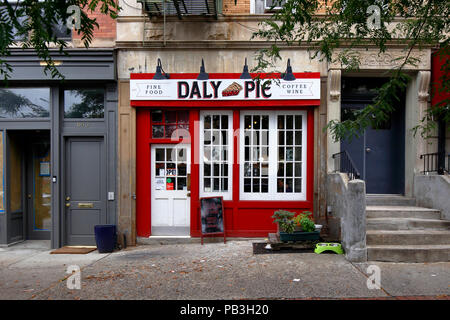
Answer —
(58, 148)
(249, 143)
(386, 158)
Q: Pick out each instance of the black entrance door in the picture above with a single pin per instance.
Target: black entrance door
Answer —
(379, 153)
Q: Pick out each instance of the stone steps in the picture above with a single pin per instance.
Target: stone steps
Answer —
(389, 200)
(401, 212)
(398, 231)
(407, 237)
(409, 253)
(406, 224)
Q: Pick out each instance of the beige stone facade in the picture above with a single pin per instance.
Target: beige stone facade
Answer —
(224, 43)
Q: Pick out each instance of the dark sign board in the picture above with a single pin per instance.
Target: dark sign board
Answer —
(212, 216)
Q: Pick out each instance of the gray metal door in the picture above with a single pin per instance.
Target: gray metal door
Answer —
(85, 188)
(378, 154)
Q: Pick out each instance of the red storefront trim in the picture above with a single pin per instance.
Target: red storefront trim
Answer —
(244, 218)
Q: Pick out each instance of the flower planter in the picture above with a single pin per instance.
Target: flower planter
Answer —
(299, 236)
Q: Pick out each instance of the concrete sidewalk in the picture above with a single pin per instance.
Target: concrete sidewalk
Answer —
(212, 271)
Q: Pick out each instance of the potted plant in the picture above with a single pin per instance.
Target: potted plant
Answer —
(292, 227)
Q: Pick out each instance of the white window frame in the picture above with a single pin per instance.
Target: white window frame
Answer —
(227, 195)
(273, 158)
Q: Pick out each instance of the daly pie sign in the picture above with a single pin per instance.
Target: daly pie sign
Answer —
(224, 89)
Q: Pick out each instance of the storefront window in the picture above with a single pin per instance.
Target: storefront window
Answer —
(24, 102)
(215, 163)
(273, 146)
(256, 157)
(84, 103)
(170, 124)
(171, 168)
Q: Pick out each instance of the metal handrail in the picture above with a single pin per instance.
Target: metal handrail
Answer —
(431, 163)
(346, 165)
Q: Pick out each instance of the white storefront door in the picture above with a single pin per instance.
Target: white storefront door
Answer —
(170, 171)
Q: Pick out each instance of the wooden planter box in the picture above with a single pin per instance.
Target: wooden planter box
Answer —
(299, 236)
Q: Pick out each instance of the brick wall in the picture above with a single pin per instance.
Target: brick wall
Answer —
(242, 7)
(106, 29)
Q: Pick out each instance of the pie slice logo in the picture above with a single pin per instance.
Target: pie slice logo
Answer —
(232, 90)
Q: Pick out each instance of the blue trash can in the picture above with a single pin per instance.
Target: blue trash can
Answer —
(105, 237)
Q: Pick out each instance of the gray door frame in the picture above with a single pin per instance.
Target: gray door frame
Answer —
(66, 181)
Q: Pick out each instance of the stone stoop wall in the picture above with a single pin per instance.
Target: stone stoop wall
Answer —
(103, 36)
(433, 191)
(347, 218)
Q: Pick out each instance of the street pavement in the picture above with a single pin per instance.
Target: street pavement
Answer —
(213, 271)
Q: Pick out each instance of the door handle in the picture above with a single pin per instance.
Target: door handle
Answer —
(67, 198)
(188, 194)
(67, 204)
(188, 182)
(368, 149)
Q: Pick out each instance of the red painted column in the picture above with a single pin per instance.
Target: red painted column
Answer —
(143, 187)
(194, 127)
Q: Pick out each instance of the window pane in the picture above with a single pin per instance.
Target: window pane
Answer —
(84, 103)
(25, 103)
(280, 122)
(183, 116)
(298, 138)
(216, 137)
(298, 122)
(170, 129)
(171, 116)
(289, 122)
(289, 138)
(181, 169)
(160, 170)
(181, 183)
(207, 184)
(158, 131)
(207, 122)
(298, 185)
(157, 116)
(265, 122)
(248, 122)
(207, 170)
(207, 137)
(256, 185)
(265, 185)
(215, 141)
(160, 154)
(224, 122)
(216, 122)
(247, 185)
(298, 154)
(224, 184)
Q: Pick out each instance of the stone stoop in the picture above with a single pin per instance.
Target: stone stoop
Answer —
(398, 231)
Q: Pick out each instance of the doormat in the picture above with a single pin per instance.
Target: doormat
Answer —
(73, 250)
(260, 248)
